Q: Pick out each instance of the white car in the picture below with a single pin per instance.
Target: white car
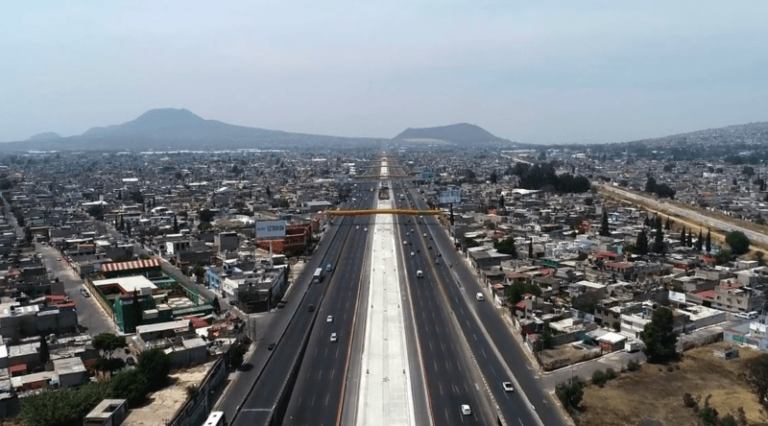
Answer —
(365, 229)
(508, 387)
(425, 235)
(479, 297)
(329, 319)
(357, 227)
(333, 337)
(412, 253)
(465, 410)
(405, 242)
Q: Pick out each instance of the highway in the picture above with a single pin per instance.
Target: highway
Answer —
(451, 377)
(256, 395)
(317, 396)
(498, 355)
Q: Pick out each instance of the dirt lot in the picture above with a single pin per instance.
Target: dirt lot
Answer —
(165, 402)
(658, 395)
(563, 355)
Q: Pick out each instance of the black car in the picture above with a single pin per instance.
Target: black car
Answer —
(311, 308)
(130, 360)
(429, 247)
(271, 346)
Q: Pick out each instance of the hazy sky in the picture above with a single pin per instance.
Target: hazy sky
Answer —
(540, 72)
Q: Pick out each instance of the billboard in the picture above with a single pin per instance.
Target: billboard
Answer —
(450, 196)
(675, 296)
(270, 228)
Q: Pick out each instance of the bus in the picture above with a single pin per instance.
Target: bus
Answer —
(318, 276)
(216, 418)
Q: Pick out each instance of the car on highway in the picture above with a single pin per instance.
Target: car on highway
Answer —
(333, 337)
(424, 235)
(412, 253)
(328, 268)
(58, 258)
(271, 346)
(465, 410)
(84, 292)
(407, 234)
(329, 319)
(419, 274)
(357, 227)
(508, 387)
(429, 247)
(365, 229)
(439, 255)
(479, 297)
(311, 308)
(437, 261)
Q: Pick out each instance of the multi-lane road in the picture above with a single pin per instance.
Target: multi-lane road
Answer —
(461, 350)
(317, 396)
(452, 379)
(255, 398)
(498, 356)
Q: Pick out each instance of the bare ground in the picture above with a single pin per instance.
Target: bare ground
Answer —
(653, 393)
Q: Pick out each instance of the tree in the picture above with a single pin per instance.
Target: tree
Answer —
(658, 243)
(494, 177)
(206, 215)
(571, 393)
(175, 225)
(128, 228)
(131, 385)
(451, 214)
(650, 185)
(709, 241)
(659, 337)
(238, 355)
(517, 289)
(642, 242)
(501, 204)
(108, 343)
(738, 241)
(699, 242)
(138, 311)
(45, 353)
(689, 241)
(668, 225)
(757, 377)
(530, 249)
(604, 230)
(269, 193)
(155, 365)
(62, 407)
(506, 246)
(216, 305)
(682, 237)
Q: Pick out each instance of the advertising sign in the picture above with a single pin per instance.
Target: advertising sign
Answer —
(450, 196)
(427, 174)
(270, 229)
(675, 296)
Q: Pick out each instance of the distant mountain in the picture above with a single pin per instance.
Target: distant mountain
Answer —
(457, 133)
(175, 129)
(741, 134)
(48, 136)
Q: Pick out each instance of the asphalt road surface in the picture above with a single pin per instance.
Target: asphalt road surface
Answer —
(263, 395)
(317, 396)
(452, 378)
(499, 356)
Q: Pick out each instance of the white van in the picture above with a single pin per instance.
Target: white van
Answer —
(419, 274)
(479, 297)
